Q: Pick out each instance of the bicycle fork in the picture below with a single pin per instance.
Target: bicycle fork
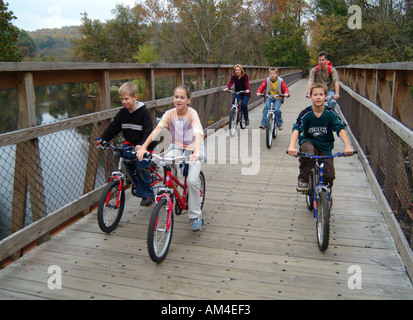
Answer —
(321, 187)
(170, 211)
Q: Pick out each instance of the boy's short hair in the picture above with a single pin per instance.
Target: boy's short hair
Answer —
(273, 69)
(322, 53)
(128, 89)
(318, 85)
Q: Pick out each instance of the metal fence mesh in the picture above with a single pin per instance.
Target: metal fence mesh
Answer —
(41, 175)
(390, 158)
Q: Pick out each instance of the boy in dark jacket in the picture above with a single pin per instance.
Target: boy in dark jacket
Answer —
(135, 123)
(313, 131)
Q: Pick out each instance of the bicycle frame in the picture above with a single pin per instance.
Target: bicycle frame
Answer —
(172, 182)
(318, 171)
(237, 103)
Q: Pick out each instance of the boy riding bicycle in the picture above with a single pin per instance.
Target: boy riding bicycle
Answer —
(273, 85)
(313, 130)
(135, 123)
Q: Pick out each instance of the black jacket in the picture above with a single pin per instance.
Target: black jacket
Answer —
(135, 126)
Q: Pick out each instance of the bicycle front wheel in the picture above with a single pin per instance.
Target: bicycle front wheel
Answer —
(269, 130)
(323, 221)
(202, 188)
(232, 122)
(160, 231)
(111, 205)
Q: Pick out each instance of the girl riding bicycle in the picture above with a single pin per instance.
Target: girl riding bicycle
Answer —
(314, 132)
(187, 138)
(242, 83)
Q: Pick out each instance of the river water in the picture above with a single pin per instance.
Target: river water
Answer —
(63, 155)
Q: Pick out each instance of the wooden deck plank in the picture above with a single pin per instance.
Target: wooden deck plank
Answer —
(258, 241)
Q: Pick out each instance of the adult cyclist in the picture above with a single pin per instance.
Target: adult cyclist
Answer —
(326, 74)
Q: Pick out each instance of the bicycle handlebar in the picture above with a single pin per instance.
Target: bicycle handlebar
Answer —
(171, 159)
(309, 155)
(235, 92)
(272, 95)
(106, 146)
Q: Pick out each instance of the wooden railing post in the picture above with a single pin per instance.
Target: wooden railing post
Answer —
(27, 169)
(103, 103)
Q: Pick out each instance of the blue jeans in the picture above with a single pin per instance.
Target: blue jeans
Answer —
(142, 179)
(244, 104)
(331, 104)
(277, 108)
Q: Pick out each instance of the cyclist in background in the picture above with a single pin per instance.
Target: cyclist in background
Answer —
(135, 123)
(187, 138)
(273, 85)
(326, 74)
(314, 132)
(242, 83)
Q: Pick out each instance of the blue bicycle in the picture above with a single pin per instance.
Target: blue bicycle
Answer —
(318, 197)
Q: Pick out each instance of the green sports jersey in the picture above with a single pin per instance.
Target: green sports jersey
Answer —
(319, 131)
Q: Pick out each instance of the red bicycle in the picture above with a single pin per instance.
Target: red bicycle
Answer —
(167, 199)
(112, 200)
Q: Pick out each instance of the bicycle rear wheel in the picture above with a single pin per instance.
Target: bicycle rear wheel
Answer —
(111, 205)
(160, 231)
(269, 130)
(323, 221)
(232, 122)
(309, 197)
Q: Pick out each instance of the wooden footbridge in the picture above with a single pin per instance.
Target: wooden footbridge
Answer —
(258, 240)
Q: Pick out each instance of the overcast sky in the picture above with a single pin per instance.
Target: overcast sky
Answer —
(37, 14)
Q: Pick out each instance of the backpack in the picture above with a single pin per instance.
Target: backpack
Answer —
(329, 65)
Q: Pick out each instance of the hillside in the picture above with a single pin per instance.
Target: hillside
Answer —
(55, 44)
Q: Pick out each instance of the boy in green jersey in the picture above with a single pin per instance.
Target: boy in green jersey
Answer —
(314, 130)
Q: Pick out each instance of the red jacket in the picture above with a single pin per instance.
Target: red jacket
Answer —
(263, 87)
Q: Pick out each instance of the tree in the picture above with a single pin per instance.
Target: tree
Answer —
(386, 34)
(195, 30)
(286, 47)
(117, 40)
(281, 20)
(27, 46)
(9, 35)
(94, 44)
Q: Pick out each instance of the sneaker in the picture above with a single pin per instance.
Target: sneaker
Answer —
(262, 127)
(146, 202)
(247, 122)
(196, 224)
(281, 126)
(302, 186)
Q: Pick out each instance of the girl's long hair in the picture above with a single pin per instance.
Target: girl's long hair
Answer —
(239, 66)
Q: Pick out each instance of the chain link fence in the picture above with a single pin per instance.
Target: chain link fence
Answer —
(42, 175)
(390, 155)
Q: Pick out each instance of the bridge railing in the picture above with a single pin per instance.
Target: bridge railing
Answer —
(387, 144)
(53, 173)
(387, 85)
